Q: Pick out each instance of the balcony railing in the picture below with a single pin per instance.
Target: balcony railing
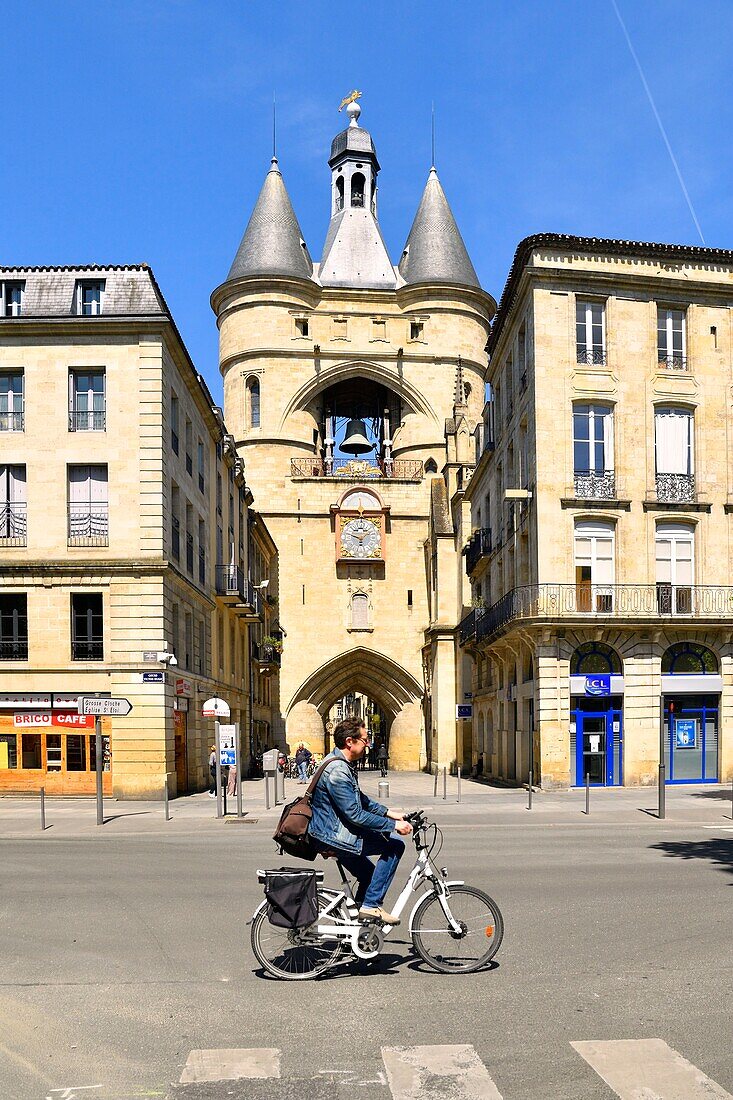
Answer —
(13, 530)
(12, 421)
(87, 421)
(676, 488)
(591, 357)
(672, 362)
(268, 656)
(477, 547)
(233, 587)
(89, 524)
(87, 649)
(14, 650)
(633, 602)
(590, 485)
(356, 469)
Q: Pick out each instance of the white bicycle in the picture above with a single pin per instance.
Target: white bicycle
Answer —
(455, 929)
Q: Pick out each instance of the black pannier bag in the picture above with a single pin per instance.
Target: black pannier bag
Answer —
(292, 896)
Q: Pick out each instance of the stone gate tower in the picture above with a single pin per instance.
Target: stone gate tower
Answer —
(341, 385)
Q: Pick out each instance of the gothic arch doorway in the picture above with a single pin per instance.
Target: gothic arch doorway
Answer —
(374, 676)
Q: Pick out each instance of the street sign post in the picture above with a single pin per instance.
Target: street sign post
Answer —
(217, 708)
(230, 756)
(98, 706)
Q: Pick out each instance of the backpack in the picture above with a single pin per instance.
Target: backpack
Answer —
(291, 834)
(292, 897)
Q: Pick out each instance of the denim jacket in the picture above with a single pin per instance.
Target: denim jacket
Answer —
(341, 812)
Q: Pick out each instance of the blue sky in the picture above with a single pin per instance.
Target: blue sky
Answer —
(142, 130)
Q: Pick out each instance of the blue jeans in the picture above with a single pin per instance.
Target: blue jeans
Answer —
(374, 879)
(303, 771)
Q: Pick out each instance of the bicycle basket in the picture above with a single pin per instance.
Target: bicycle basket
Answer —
(292, 899)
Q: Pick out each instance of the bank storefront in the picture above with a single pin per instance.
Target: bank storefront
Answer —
(45, 742)
(691, 688)
(596, 716)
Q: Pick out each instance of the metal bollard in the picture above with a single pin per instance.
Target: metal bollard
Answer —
(529, 793)
(383, 789)
(166, 806)
(435, 784)
(43, 809)
(587, 793)
(267, 791)
(459, 784)
(445, 783)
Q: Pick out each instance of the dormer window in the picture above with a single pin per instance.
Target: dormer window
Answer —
(89, 297)
(357, 189)
(12, 298)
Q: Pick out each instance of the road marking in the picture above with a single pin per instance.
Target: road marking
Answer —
(648, 1069)
(231, 1064)
(415, 1073)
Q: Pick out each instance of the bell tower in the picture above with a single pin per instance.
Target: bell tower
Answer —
(339, 381)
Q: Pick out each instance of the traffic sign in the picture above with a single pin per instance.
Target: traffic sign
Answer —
(216, 708)
(92, 704)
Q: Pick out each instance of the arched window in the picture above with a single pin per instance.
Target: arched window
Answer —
(689, 658)
(340, 193)
(592, 658)
(357, 189)
(359, 611)
(431, 466)
(253, 402)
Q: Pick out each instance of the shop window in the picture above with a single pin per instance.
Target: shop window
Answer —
(31, 751)
(8, 750)
(76, 752)
(592, 658)
(689, 658)
(53, 752)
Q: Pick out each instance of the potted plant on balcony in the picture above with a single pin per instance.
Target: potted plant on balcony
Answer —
(272, 643)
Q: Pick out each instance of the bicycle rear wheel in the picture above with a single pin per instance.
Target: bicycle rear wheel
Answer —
(449, 952)
(294, 954)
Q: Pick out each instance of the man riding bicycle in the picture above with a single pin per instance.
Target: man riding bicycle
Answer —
(349, 824)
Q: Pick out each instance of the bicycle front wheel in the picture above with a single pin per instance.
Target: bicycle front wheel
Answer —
(293, 954)
(451, 952)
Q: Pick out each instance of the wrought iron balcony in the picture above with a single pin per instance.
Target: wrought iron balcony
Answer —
(591, 485)
(523, 381)
(88, 524)
(234, 589)
(614, 602)
(267, 656)
(12, 421)
(13, 523)
(477, 547)
(356, 469)
(87, 649)
(15, 649)
(590, 357)
(676, 488)
(672, 362)
(87, 421)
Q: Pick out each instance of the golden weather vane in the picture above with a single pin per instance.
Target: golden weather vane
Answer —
(350, 98)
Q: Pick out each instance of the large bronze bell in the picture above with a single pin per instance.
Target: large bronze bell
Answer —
(355, 440)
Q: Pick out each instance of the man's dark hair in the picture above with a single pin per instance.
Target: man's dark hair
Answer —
(348, 728)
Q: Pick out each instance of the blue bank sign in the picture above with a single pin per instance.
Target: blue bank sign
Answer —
(599, 684)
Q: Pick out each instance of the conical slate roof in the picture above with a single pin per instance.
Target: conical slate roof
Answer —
(272, 243)
(435, 252)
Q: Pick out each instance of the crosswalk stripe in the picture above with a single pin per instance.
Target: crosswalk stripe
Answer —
(231, 1064)
(648, 1069)
(415, 1073)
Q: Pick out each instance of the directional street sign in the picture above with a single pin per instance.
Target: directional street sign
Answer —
(90, 704)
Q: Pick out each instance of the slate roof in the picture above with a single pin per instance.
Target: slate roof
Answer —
(566, 242)
(354, 253)
(129, 290)
(435, 252)
(273, 242)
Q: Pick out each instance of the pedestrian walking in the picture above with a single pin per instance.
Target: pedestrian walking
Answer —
(383, 757)
(232, 783)
(212, 772)
(302, 758)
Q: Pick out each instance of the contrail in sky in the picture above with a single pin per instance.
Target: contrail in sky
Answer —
(653, 106)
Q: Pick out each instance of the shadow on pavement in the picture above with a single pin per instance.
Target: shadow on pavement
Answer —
(722, 793)
(717, 850)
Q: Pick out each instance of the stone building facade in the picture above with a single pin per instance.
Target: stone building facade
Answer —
(124, 538)
(339, 386)
(598, 545)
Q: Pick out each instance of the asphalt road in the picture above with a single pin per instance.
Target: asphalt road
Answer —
(122, 954)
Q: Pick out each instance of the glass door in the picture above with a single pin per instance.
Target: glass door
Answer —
(592, 757)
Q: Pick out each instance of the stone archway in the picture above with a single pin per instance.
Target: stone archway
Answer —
(383, 680)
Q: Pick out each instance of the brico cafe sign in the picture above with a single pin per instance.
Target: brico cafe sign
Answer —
(63, 719)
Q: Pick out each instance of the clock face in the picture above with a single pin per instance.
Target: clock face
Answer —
(360, 538)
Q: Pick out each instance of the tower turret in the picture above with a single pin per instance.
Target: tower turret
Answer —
(435, 252)
(272, 243)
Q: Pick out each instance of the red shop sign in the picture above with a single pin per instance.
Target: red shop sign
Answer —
(58, 718)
